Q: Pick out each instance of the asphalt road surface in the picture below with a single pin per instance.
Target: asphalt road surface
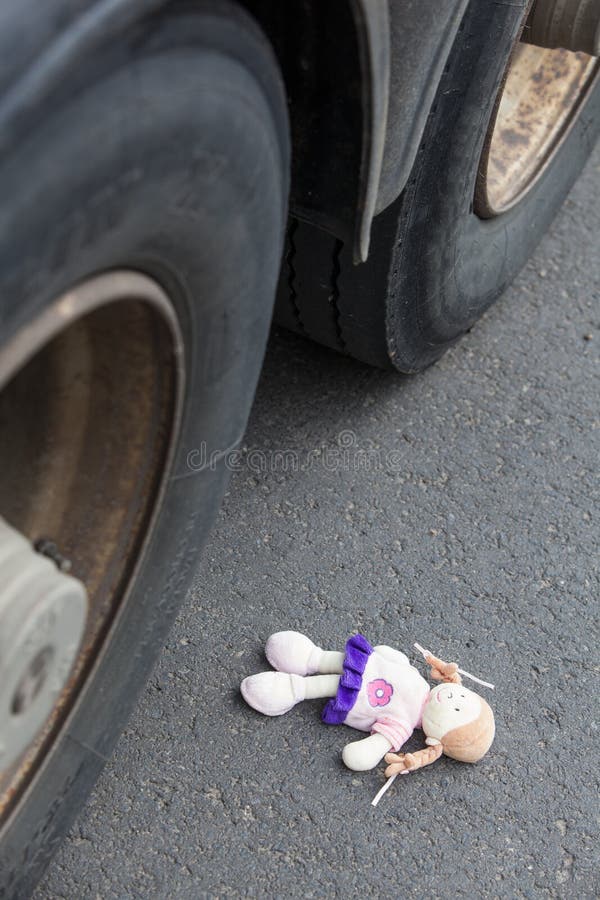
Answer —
(459, 509)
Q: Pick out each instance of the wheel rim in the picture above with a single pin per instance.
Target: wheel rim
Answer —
(90, 397)
(542, 93)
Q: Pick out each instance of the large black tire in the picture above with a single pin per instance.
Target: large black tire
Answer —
(434, 266)
(169, 155)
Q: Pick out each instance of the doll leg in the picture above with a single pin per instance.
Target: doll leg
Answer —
(317, 687)
(290, 651)
(275, 693)
(366, 753)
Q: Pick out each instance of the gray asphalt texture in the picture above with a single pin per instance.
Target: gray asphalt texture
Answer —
(464, 515)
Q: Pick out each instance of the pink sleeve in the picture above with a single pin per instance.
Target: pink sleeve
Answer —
(394, 730)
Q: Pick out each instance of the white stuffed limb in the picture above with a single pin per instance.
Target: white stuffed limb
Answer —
(290, 651)
(275, 693)
(367, 753)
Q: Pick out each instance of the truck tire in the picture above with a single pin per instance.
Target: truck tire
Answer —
(436, 263)
(145, 211)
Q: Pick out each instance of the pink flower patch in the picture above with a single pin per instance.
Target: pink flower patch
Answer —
(379, 692)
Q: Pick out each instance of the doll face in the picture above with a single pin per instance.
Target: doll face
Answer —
(449, 706)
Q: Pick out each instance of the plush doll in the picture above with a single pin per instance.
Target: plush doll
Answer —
(375, 689)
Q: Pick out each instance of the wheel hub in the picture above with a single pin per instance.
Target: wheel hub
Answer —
(42, 620)
(542, 94)
(90, 394)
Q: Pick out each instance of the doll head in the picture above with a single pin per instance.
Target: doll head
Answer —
(460, 720)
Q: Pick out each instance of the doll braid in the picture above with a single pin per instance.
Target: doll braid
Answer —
(410, 762)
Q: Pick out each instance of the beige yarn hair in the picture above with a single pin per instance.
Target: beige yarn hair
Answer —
(471, 742)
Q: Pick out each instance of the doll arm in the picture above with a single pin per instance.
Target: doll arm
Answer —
(366, 753)
(442, 671)
(402, 763)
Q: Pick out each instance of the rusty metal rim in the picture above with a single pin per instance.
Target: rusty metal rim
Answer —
(81, 300)
(508, 171)
(80, 303)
